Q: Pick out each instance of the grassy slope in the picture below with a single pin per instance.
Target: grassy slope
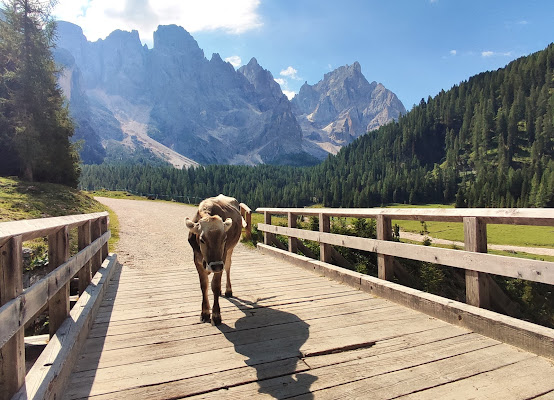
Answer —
(28, 200)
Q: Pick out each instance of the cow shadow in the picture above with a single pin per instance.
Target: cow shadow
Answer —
(271, 340)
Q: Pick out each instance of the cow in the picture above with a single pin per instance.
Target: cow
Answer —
(213, 234)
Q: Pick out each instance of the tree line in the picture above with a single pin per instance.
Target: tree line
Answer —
(487, 142)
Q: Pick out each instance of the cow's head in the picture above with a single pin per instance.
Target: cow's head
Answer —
(211, 235)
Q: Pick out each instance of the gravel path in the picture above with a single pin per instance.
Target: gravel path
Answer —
(151, 232)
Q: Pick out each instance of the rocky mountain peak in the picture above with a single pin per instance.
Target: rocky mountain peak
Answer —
(175, 39)
(262, 79)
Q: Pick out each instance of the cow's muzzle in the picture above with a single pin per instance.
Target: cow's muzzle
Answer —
(215, 266)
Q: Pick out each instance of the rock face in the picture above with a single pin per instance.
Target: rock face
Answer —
(172, 99)
(343, 106)
(182, 107)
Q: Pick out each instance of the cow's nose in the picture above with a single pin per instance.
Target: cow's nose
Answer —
(215, 266)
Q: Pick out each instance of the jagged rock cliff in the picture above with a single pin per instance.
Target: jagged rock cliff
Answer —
(343, 106)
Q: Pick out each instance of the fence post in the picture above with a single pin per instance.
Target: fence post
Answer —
(293, 242)
(104, 229)
(324, 248)
(267, 236)
(477, 283)
(385, 264)
(95, 233)
(58, 253)
(85, 275)
(12, 354)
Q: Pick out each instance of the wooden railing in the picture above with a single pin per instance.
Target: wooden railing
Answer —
(246, 213)
(474, 260)
(19, 305)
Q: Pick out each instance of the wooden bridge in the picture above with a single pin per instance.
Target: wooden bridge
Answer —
(297, 328)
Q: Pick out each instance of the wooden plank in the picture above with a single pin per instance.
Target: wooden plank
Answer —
(34, 228)
(477, 283)
(324, 248)
(47, 377)
(104, 229)
(85, 273)
(20, 310)
(515, 216)
(385, 263)
(12, 353)
(96, 232)
(523, 334)
(532, 270)
(293, 242)
(267, 235)
(58, 304)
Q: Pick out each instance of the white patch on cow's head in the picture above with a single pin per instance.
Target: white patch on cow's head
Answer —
(227, 224)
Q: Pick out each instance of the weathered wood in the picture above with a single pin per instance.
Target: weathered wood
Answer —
(305, 250)
(95, 233)
(21, 309)
(293, 242)
(340, 260)
(324, 248)
(385, 263)
(246, 213)
(12, 353)
(477, 283)
(533, 270)
(267, 235)
(58, 253)
(104, 229)
(47, 377)
(35, 228)
(515, 216)
(84, 240)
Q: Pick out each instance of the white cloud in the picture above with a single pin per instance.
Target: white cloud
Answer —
(280, 81)
(235, 61)
(453, 52)
(290, 72)
(522, 22)
(489, 53)
(289, 93)
(99, 18)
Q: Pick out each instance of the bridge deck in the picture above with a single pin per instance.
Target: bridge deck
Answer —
(287, 333)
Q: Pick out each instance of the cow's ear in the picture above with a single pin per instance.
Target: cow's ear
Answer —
(193, 227)
(227, 224)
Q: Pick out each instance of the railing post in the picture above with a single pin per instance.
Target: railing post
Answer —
(104, 229)
(267, 236)
(247, 215)
(58, 253)
(324, 248)
(12, 354)
(95, 233)
(477, 285)
(385, 264)
(293, 242)
(85, 275)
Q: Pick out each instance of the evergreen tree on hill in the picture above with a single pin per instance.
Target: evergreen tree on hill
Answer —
(35, 126)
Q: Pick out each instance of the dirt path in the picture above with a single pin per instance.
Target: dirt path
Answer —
(151, 232)
(543, 251)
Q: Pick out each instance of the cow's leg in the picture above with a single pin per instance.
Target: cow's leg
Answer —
(216, 289)
(204, 282)
(228, 288)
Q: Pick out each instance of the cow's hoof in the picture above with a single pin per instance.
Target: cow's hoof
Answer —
(216, 320)
(229, 293)
(205, 317)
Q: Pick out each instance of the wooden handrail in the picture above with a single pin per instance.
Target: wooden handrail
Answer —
(473, 259)
(18, 306)
(246, 213)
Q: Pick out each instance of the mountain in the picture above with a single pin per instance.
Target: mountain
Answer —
(343, 106)
(171, 102)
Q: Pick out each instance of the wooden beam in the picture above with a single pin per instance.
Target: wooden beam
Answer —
(58, 254)
(385, 263)
(267, 235)
(515, 216)
(84, 240)
(531, 270)
(95, 233)
(293, 242)
(477, 283)
(12, 353)
(324, 248)
(104, 229)
(34, 228)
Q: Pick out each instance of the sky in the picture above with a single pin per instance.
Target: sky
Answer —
(415, 48)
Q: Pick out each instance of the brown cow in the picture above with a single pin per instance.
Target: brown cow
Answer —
(213, 233)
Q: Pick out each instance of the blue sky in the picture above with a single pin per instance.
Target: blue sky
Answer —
(413, 47)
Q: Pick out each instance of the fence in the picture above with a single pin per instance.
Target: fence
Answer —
(19, 305)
